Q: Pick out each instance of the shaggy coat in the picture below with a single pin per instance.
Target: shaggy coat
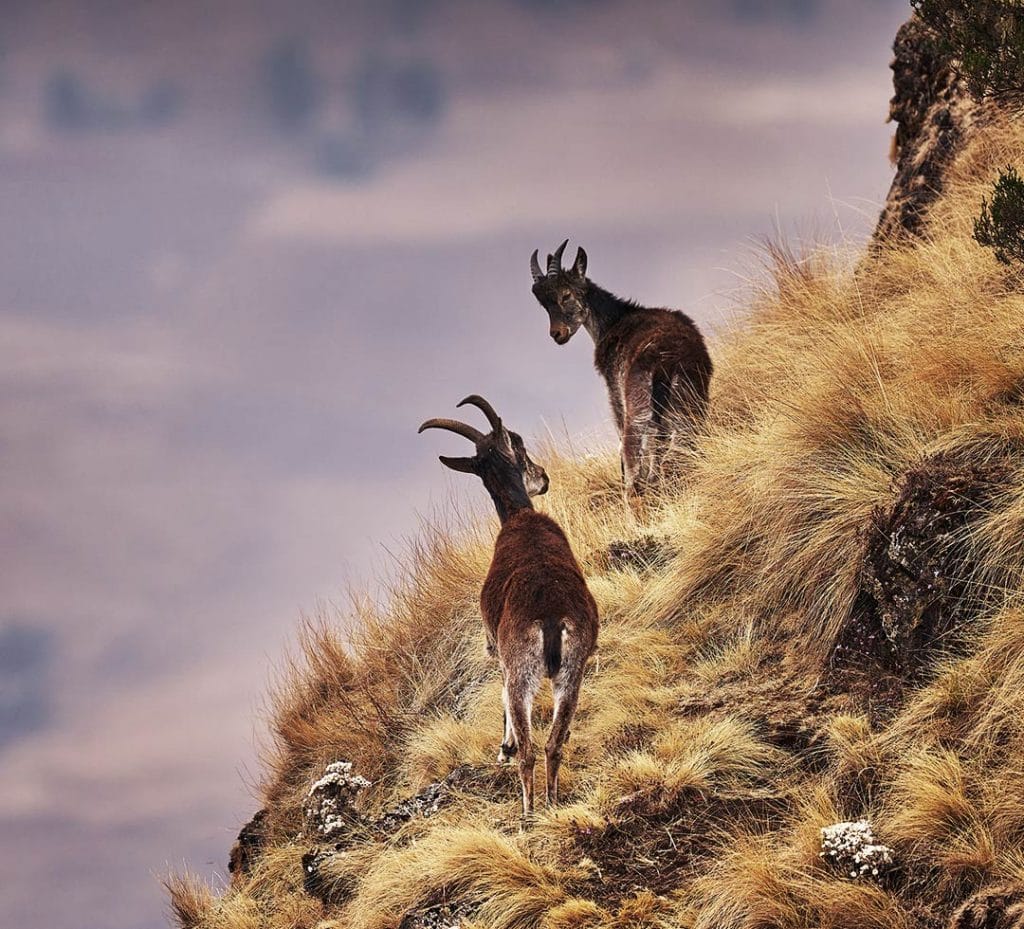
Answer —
(541, 619)
(658, 373)
(534, 573)
(653, 361)
(539, 616)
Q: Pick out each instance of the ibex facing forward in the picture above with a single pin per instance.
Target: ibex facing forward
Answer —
(538, 614)
(654, 362)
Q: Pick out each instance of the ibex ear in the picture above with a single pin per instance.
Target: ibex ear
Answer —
(466, 465)
(580, 267)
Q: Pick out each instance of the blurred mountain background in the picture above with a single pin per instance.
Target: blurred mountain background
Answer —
(247, 248)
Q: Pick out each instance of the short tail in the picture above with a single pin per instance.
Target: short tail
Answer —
(553, 648)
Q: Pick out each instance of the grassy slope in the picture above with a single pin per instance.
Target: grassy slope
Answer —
(704, 758)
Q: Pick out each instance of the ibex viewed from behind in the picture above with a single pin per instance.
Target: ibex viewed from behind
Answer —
(654, 362)
(538, 614)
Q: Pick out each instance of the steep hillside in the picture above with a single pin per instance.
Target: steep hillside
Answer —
(823, 621)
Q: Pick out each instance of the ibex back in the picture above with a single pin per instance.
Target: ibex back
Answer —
(539, 616)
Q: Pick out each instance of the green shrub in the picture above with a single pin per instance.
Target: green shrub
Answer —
(984, 39)
(1001, 223)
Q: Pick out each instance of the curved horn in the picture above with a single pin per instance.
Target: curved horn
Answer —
(453, 425)
(493, 418)
(535, 267)
(555, 260)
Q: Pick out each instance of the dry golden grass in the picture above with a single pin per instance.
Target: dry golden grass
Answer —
(689, 802)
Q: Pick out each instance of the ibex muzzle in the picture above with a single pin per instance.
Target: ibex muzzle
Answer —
(562, 293)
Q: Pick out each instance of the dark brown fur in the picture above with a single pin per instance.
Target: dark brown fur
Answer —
(539, 616)
(653, 361)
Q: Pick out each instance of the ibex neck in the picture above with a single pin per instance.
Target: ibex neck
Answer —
(508, 501)
(605, 311)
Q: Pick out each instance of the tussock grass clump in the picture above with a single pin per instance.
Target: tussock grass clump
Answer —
(717, 732)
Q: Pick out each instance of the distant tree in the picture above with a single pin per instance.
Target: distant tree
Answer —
(67, 101)
(26, 665)
(385, 90)
(559, 6)
(345, 156)
(73, 105)
(985, 41)
(1001, 223)
(419, 92)
(160, 104)
(293, 88)
(410, 15)
(794, 11)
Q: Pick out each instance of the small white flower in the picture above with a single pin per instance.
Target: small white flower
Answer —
(851, 846)
(329, 800)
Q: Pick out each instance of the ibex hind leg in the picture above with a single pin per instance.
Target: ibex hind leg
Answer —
(508, 741)
(566, 688)
(635, 438)
(522, 686)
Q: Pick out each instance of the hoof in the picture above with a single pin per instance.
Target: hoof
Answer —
(506, 753)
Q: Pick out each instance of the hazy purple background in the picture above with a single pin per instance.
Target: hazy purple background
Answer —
(246, 249)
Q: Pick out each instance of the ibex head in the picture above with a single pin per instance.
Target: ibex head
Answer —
(562, 293)
(501, 461)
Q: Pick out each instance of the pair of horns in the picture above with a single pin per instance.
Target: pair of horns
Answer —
(555, 263)
(466, 431)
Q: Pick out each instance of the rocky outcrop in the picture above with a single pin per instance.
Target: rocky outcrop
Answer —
(333, 823)
(998, 907)
(918, 554)
(914, 601)
(248, 847)
(441, 916)
(934, 114)
(646, 552)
